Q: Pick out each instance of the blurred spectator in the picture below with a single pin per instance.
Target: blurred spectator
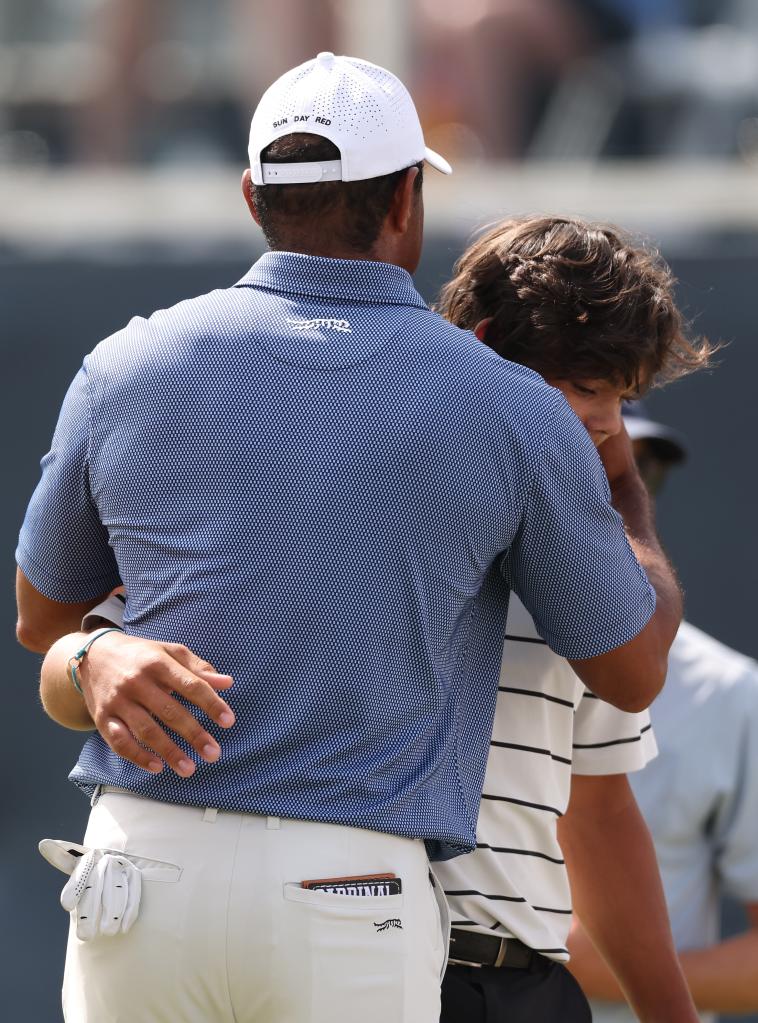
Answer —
(135, 81)
(483, 66)
(108, 125)
(619, 18)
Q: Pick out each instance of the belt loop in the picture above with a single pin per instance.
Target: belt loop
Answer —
(273, 824)
(209, 814)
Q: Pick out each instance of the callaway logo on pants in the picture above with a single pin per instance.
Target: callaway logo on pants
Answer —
(231, 935)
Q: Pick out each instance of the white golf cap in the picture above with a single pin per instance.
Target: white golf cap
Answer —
(364, 110)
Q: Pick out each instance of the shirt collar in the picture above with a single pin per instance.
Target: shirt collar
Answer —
(355, 280)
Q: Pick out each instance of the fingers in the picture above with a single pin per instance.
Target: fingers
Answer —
(83, 894)
(131, 687)
(104, 894)
(78, 881)
(175, 667)
(115, 895)
(198, 691)
(137, 735)
(123, 743)
(130, 737)
(198, 666)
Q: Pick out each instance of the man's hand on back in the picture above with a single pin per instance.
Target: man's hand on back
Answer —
(130, 688)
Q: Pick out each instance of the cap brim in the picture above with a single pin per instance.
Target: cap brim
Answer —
(670, 444)
(438, 162)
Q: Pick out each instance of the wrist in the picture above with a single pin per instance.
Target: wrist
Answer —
(76, 662)
(631, 500)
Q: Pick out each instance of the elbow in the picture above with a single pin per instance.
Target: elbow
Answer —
(32, 637)
(636, 703)
(642, 688)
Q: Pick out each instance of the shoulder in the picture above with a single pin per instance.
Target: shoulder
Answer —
(512, 396)
(167, 335)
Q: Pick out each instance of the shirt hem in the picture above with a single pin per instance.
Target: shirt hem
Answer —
(439, 847)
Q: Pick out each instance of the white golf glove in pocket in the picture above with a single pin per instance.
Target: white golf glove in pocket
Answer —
(103, 890)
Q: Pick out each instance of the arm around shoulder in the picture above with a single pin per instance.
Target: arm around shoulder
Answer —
(595, 581)
(632, 675)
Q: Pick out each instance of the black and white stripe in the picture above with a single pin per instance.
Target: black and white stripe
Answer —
(547, 726)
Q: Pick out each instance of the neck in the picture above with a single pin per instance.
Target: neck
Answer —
(324, 251)
(384, 250)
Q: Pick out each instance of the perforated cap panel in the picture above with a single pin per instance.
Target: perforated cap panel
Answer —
(365, 110)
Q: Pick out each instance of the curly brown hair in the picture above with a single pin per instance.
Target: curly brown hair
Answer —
(574, 300)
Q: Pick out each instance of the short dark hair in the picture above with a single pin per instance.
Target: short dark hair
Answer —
(293, 216)
(574, 300)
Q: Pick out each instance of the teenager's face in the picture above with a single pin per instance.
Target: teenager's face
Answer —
(597, 403)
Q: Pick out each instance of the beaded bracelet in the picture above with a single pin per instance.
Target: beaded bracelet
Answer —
(75, 662)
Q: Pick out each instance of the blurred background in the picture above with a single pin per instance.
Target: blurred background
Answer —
(123, 134)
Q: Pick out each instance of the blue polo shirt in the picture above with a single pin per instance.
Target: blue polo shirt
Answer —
(328, 491)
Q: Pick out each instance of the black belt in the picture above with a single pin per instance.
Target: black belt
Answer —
(470, 948)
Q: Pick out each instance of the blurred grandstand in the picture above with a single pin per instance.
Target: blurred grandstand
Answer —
(632, 110)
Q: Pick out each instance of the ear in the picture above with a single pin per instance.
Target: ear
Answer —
(481, 328)
(248, 191)
(403, 201)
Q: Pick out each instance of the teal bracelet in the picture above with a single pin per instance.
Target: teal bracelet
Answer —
(75, 662)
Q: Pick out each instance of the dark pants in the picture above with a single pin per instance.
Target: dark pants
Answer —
(544, 992)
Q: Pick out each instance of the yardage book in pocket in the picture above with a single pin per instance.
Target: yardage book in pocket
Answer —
(371, 885)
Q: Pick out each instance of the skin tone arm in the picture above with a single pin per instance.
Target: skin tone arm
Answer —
(631, 676)
(722, 978)
(41, 621)
(611, 863)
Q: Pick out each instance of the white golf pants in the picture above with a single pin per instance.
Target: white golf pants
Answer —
(230, 936)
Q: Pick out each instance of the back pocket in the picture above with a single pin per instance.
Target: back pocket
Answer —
(351, 955)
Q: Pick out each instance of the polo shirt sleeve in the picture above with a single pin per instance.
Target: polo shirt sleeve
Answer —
(735, 832)
(610, 741)
(63, 548)
(571, 563)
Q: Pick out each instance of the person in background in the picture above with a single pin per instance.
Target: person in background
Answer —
(700, 799)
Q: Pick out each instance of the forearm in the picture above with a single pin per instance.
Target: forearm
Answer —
(42, 621)
(724, 977)
(595, 976)
(60, 699)
(619, 898)
(635, 506)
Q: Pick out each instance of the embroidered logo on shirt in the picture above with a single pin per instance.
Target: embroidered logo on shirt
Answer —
(392, 922)
(328, 323)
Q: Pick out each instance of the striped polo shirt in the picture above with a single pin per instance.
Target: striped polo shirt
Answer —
(327, 491)
(547, 726)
